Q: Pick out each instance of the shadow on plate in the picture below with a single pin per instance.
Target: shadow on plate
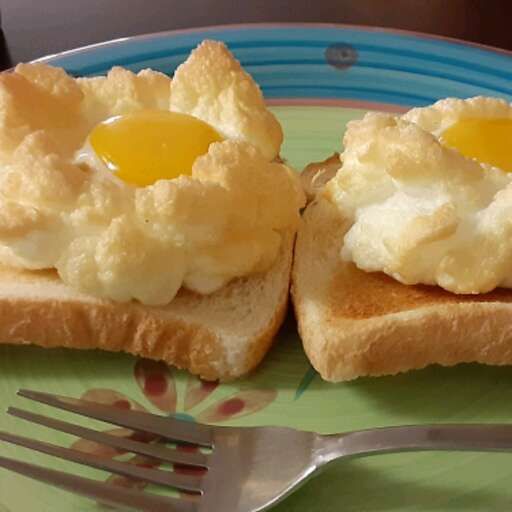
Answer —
(355, 486)
(467, 391)
(286, 363)
(19, 362)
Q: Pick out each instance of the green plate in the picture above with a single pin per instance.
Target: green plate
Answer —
(313, 107)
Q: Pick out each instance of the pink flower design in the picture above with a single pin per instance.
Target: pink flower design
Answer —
(156, 381)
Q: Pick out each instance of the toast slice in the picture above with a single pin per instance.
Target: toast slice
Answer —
(218, 336)
(353, 323)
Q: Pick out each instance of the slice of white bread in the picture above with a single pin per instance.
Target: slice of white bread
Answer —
(354, 323)
(218, 336)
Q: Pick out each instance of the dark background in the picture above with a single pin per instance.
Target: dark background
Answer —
(33, 28)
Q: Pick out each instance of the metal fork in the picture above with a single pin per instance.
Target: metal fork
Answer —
(247, 469)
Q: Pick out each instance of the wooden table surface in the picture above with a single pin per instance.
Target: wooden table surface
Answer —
(33, 28)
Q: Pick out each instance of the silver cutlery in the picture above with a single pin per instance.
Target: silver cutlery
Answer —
(246, 469)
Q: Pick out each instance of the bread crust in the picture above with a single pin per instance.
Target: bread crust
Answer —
(37, 308)
(354, 323)
(316, 174)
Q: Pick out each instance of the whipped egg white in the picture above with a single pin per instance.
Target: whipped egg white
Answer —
(132, 186)
(427, 196)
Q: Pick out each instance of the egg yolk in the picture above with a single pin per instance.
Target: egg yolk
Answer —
(487, 140)
(146, 146)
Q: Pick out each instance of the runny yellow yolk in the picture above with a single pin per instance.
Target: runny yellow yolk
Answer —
(487, 140)
(151, 145)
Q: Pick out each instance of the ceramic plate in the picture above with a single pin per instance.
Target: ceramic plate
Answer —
(316, 78)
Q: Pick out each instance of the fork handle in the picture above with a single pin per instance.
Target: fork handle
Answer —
(466, 437)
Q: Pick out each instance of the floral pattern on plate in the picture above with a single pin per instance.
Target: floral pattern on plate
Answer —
(158, 385)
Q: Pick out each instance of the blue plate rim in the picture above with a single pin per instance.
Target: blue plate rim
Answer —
(362, 28)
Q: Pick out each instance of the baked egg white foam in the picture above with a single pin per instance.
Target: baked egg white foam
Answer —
(116, 227)
(428, 209)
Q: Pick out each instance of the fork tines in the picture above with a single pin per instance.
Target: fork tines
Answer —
(162, 427)
(128, 499)
(167, 428)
